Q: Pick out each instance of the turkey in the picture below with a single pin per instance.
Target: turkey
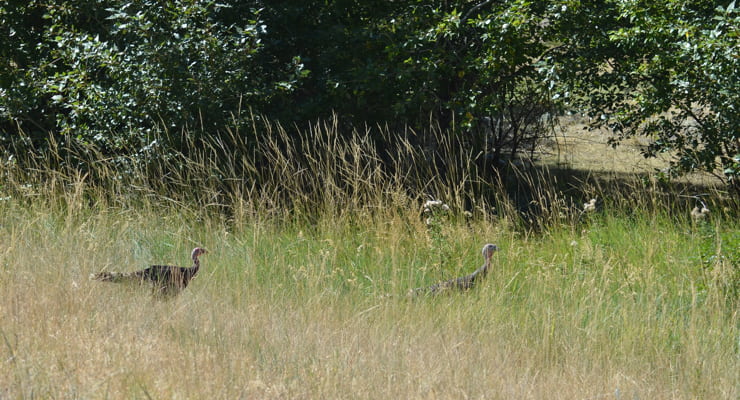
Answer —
(464, 282)
(167, 280)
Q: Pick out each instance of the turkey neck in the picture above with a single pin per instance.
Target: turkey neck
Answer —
(483, 270)
(196, 264)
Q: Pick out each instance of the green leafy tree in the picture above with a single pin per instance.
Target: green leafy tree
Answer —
(472, 68)
(344, 69)
(668, 71)
(113, 73)
(476, 69)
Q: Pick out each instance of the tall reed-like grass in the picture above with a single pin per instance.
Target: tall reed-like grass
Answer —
(303, 294)
(618, 309)
(286, 173)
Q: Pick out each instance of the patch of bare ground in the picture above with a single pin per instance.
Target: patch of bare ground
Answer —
(578, 147)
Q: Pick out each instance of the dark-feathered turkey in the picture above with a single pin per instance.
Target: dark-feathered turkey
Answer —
(166, 280)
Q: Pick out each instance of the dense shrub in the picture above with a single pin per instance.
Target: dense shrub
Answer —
(121, 77)
(109, 73)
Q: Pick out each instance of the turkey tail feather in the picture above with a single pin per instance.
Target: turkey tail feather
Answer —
(111, 277)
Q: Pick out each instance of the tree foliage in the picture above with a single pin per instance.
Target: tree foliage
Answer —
(113, 73)
(667, 71)
(109, 73)
(470, 68)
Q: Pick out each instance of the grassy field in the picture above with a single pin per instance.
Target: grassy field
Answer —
(632, 301)
(615, 307)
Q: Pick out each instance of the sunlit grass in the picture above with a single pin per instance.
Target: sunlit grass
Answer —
(611, 308)
(304, 291)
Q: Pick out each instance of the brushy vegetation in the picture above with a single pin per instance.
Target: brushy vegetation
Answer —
(496, 74)
(303, 294)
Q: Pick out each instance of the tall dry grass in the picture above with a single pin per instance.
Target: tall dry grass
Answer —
(633, 301)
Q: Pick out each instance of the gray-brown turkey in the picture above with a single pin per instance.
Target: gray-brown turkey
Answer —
(464, 282)
(166, 280)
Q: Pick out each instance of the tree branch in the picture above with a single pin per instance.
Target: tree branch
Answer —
(474, 9)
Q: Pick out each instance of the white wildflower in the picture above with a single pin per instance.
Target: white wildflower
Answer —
(430, 204)
(698, 214)
(590, 206)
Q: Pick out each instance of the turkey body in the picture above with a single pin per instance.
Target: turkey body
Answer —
(166, 280)
(464, 282)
